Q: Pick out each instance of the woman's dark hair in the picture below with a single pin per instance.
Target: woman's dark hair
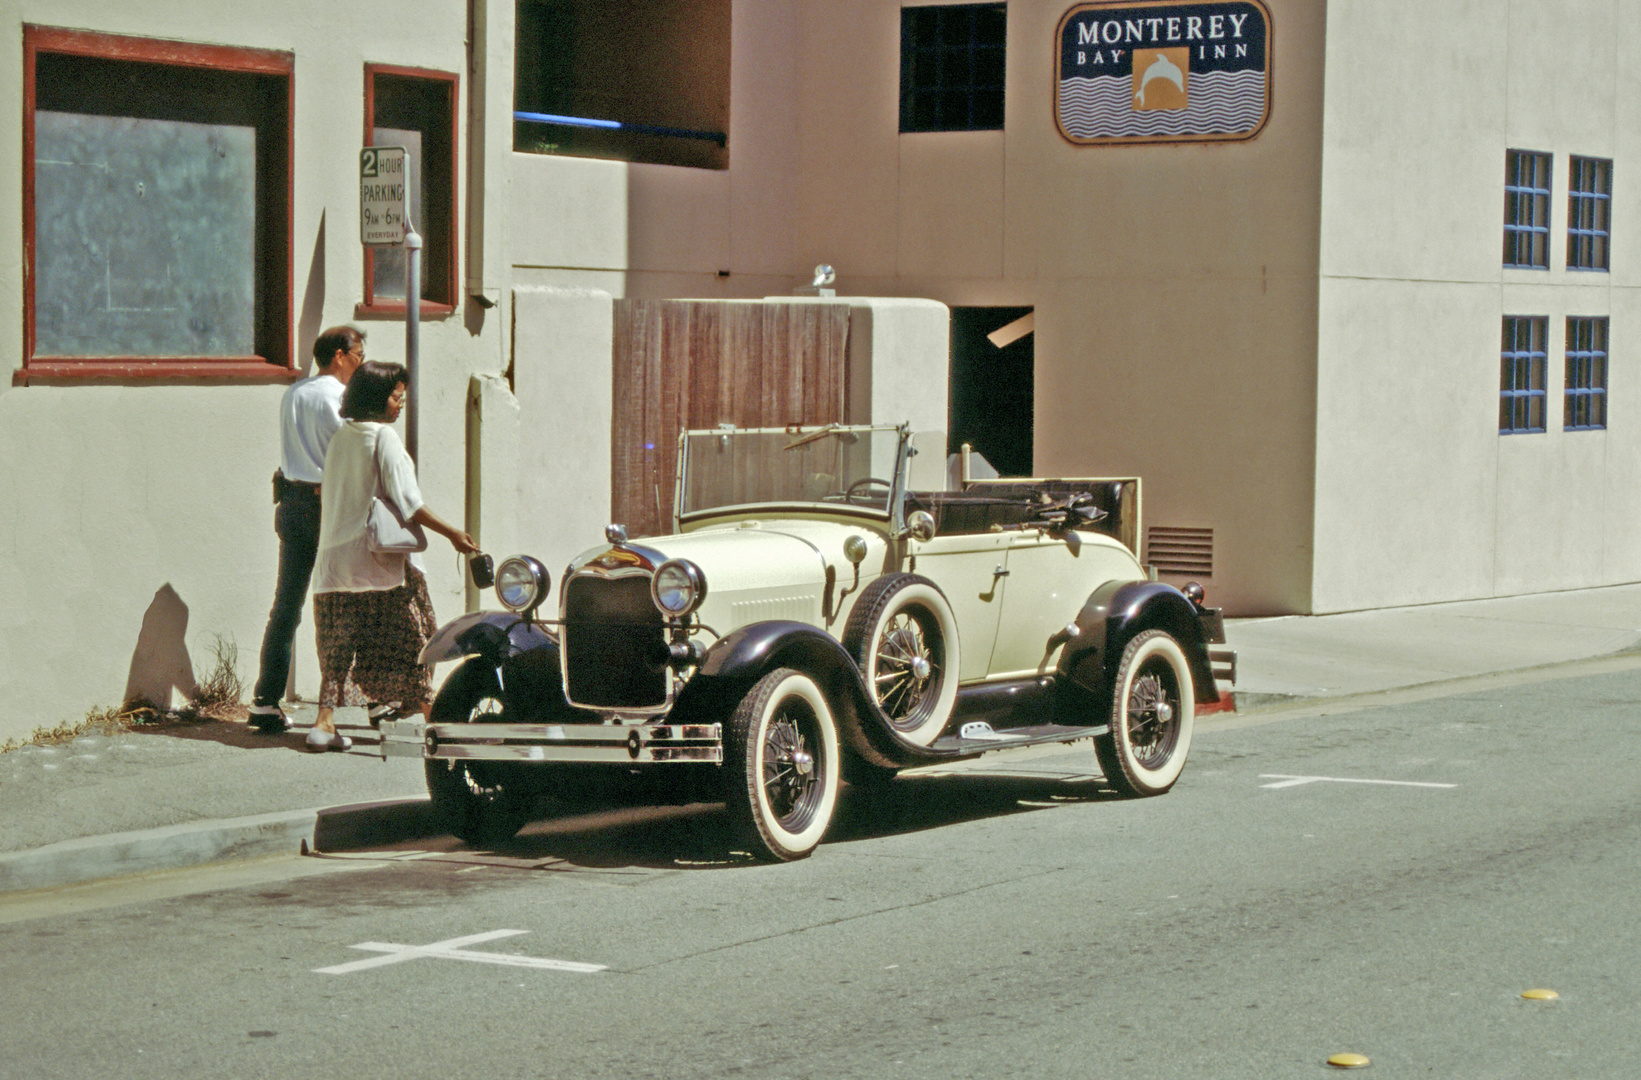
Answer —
(372, 384)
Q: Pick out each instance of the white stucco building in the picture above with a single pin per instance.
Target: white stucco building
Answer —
(1291, 328)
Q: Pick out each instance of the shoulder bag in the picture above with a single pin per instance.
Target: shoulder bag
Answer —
(386, 528)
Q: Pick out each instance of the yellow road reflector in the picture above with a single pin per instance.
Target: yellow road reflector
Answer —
(1540, 995)
(1348, 1061)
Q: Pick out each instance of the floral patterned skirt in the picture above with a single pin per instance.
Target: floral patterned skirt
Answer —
(369, 643)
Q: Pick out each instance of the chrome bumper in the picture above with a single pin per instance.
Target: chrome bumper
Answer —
(598, 744)
(1222, 662)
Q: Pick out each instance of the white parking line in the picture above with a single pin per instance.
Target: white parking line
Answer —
(1287, 780)
(452, 949)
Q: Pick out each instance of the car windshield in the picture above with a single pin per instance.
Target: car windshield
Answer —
(829, 468)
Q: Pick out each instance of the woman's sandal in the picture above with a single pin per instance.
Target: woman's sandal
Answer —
(376, 713)
(328, 740)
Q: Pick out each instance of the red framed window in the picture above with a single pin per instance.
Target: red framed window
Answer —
(156, 208)
(415, 108)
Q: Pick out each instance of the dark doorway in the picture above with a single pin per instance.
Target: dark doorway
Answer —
(992, 378)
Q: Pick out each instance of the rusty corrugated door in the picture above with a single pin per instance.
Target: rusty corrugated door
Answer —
(696, 364)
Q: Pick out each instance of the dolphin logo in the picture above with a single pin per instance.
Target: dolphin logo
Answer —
(1161, 68)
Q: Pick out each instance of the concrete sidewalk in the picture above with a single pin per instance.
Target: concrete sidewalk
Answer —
(179, 795)
(1302, 656)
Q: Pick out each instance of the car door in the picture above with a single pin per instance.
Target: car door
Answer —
(1045, 584)
(970, 570)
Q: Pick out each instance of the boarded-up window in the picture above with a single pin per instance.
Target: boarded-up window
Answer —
(686, 364)
(156, 218)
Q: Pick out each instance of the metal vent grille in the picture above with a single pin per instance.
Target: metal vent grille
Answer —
(1175, 550)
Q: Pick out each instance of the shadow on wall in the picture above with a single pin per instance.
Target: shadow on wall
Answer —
(313, 302)
(160, 663)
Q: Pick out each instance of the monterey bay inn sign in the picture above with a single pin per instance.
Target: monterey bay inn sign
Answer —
(1163, 71)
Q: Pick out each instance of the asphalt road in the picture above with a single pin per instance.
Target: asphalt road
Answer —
(1011, 920)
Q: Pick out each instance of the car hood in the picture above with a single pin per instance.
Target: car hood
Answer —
(757, 570)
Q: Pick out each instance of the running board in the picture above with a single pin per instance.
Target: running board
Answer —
(980, 741)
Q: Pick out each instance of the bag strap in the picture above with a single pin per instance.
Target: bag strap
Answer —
(386, 496)
(376, 456)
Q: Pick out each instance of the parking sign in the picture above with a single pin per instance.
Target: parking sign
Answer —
(382, 193)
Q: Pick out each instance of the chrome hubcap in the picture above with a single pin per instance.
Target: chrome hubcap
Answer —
(906, 668)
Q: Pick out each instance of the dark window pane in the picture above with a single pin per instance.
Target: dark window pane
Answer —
(952, 67)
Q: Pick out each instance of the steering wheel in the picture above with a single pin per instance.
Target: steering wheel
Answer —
(866, 481)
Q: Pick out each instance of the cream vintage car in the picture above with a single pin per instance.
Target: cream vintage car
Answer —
(825, 610)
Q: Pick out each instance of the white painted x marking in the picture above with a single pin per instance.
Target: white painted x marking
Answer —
(1288, 780)
(453, 949)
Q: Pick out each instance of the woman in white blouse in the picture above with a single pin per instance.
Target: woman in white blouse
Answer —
(372, 613)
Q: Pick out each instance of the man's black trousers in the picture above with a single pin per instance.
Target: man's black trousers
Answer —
(296, 520)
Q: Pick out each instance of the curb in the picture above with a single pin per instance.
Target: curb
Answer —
(340, 828)
(69, 862)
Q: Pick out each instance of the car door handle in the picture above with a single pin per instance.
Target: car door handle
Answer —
(999, 572)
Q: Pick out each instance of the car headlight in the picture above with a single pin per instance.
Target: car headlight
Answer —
(678, 587)
(521, 583)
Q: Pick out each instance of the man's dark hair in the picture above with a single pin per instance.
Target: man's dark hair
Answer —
(371, 386)
(330, 342)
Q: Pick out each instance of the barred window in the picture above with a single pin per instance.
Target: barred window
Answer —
(1527, 209)
(1521, 374)
(1589, 213)
(1586, 386)
(951, 67)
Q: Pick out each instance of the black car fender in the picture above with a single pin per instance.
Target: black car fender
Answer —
(737, 660)
(493, 635)
(1117, 611)
(522, 655)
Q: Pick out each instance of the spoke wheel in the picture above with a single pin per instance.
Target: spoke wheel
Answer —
(481, 802)
(782, 763)
(1153, 713)
(903, 635)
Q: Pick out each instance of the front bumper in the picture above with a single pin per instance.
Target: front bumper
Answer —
(587, 744)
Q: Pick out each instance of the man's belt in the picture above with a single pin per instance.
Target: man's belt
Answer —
(283, 487)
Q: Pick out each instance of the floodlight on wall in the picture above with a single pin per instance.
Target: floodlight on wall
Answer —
(821, 285)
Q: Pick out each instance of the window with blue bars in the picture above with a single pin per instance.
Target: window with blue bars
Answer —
(1527, 209)
(1586, 386)
(1589, 213)
(1521, 374)
(952, 66)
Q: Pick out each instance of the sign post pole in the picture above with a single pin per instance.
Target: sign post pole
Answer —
(413, 337)
(384, 221)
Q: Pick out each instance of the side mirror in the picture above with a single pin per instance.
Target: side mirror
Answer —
(483, 569)
(920, 526)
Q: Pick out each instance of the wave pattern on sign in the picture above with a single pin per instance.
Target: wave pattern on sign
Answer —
(1221, 103)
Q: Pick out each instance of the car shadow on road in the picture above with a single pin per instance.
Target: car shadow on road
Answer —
(909, 804)
(633, 834)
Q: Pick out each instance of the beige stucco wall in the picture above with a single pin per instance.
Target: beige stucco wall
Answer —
(111, 495)
(1418, 497)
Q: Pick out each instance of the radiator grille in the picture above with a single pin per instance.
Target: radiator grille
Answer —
(614, 646)
(1176, 550)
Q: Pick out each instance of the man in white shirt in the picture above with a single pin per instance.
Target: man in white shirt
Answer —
(309, 414)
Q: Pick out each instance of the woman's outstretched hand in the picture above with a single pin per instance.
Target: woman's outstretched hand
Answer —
(458, 539)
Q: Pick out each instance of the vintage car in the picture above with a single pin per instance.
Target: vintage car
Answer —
(826, 611)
